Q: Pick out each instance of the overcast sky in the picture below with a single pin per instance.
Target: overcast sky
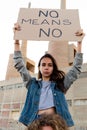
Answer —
(8, 16)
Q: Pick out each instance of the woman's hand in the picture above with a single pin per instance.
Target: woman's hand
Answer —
(16, 43)
(81, 34)
(16, 27)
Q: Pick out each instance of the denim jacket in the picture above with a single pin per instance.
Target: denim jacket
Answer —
(33, 86)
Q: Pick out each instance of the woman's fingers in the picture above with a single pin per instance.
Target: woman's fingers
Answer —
(79, 33)
(16, 27)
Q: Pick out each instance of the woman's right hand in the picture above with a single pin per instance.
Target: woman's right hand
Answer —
(16, 27)
(16, 43)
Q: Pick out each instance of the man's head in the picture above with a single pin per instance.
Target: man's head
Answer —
(48, 122)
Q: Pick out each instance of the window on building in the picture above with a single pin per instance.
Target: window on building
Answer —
(80, 128)
(15, 115)
(80, 102)
(83, 75)
(69, 102)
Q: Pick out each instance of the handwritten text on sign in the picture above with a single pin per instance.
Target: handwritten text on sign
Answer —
(48, 24)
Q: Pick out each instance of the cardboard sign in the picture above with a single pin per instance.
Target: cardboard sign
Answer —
(48, 24)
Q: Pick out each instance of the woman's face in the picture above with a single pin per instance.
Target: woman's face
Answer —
(47, 128)
(46, 68)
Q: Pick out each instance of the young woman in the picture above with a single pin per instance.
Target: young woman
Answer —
(47, 93)
(48, 122)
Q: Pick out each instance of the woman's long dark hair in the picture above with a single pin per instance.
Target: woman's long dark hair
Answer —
(57, 75)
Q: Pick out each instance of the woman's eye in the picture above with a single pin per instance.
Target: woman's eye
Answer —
(43, 64)
(50, 65)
